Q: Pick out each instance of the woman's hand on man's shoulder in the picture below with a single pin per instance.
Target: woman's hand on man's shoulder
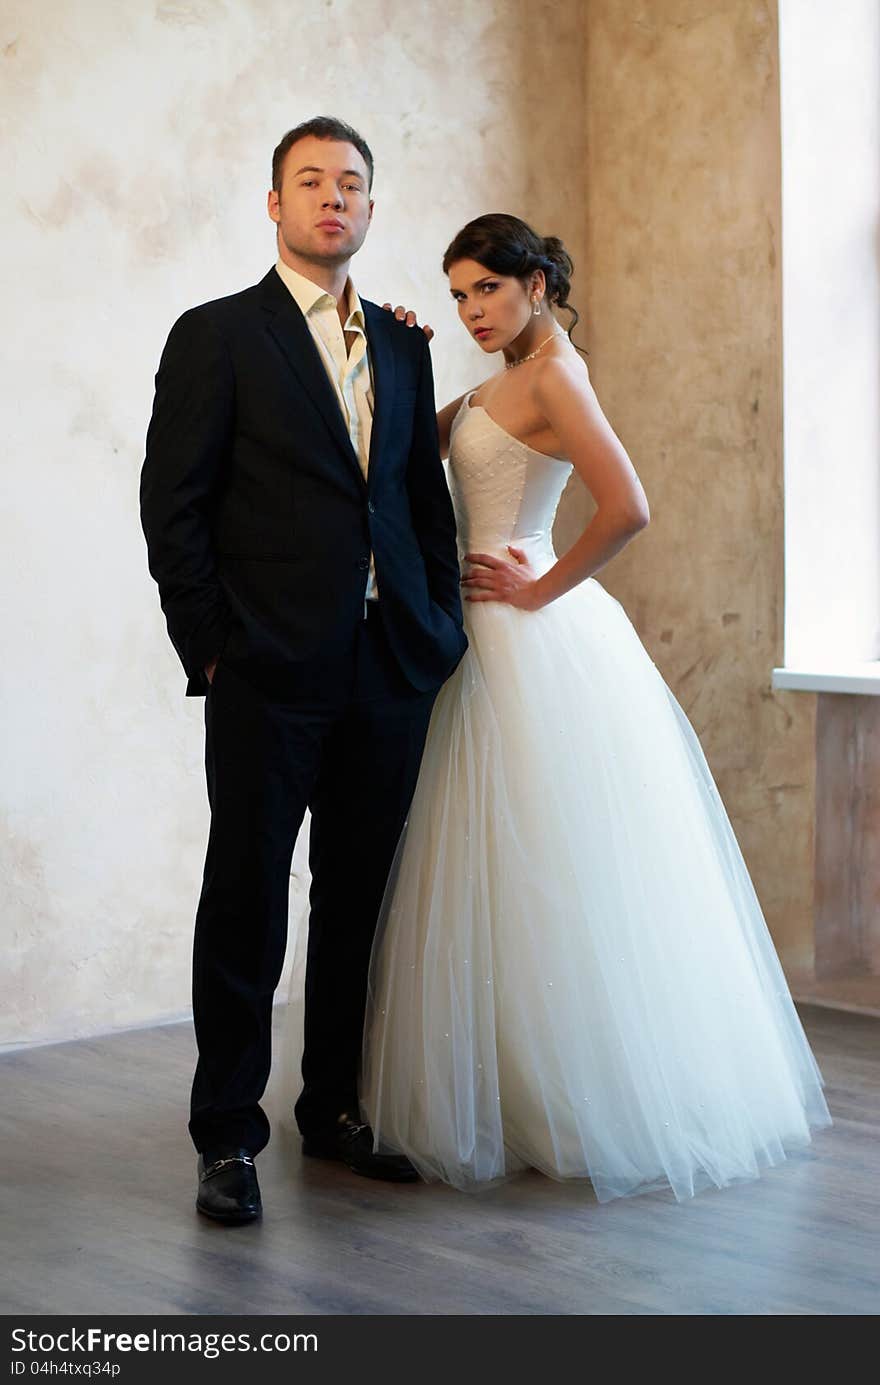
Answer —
(409, 317)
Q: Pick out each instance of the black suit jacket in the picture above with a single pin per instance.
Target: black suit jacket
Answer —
(258, 521)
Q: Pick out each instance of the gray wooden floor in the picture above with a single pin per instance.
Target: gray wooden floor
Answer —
(98, 1182)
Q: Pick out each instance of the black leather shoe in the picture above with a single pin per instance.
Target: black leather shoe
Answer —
(351, 1142)
(228, 1187)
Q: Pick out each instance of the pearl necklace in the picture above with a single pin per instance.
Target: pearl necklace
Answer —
(509, 365)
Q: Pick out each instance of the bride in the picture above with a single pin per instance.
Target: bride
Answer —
(572, 972)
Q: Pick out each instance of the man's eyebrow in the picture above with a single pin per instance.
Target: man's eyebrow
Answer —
(312, 168)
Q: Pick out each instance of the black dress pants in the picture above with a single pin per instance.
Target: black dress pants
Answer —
(342, 735)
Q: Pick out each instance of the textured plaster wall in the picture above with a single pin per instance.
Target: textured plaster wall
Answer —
(136, 145)
(683, 285)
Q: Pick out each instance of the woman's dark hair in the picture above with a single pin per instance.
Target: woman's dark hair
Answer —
(506, 245)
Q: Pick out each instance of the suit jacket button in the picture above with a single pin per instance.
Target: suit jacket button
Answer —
(371, 507)
(363, 564)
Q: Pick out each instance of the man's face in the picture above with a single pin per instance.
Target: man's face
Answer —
(324, 208)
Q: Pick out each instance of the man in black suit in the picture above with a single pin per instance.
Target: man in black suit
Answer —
(301, 533)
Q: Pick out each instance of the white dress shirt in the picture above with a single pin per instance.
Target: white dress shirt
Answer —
(348, 370)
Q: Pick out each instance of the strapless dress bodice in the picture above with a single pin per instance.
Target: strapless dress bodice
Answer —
(503, 490)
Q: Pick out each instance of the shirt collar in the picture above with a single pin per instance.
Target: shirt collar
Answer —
(309, 296)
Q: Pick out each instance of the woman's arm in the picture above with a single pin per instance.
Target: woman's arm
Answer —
(430, 501)
(446, 416)
(445, 419)
(563, 393)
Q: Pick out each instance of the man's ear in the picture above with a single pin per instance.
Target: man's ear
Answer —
(372, 205)
(273, 205)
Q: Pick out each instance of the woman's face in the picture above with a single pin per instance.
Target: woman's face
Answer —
(495, 308)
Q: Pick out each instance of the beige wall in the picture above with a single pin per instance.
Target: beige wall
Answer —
(137, 140)
(683, 287)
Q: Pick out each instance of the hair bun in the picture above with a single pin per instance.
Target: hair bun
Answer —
(558, 269)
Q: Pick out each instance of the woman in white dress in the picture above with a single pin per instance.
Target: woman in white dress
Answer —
(572, 971)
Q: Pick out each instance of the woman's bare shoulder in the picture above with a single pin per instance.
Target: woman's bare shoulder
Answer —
(560, 376)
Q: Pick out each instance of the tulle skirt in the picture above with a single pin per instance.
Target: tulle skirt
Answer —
(572, 971)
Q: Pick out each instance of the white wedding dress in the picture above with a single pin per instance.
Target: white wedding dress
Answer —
(572, 971)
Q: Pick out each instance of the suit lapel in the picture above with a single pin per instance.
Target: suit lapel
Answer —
(378, 323)
(290, 330)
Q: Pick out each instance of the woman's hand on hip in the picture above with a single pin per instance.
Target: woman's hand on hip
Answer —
(511, 580)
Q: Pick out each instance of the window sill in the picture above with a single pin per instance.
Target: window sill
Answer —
(851, 678)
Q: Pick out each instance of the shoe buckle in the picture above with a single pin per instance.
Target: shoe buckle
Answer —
(218, 1164)
(351, 1131)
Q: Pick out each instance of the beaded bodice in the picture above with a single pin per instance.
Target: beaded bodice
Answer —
(503, 490)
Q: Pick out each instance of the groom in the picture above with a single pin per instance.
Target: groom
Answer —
(301, 534)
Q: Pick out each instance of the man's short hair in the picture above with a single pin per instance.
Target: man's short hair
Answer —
(320, 127)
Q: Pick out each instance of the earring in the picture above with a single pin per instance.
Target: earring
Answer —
(536, 306)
